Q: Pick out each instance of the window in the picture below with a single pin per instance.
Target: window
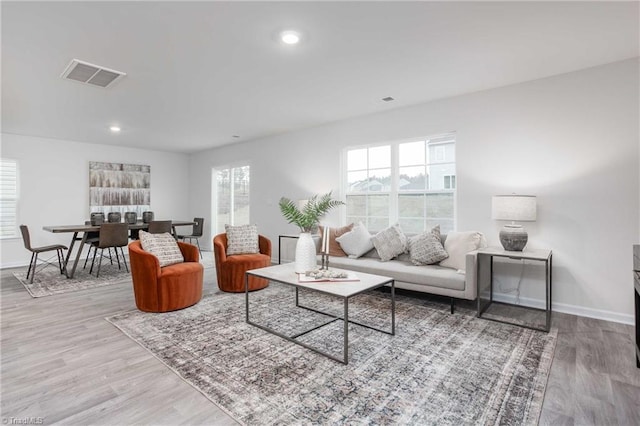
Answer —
(449, 182)
(8, 198)
(232, 196)
(411, 183)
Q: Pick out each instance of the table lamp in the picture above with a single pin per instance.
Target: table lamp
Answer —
(521, 208)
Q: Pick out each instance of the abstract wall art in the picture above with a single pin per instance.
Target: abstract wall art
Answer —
(118, 187)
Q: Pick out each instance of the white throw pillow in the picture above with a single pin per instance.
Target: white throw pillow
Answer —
(390, 242)
(458, 244)
(356, 242)
(242, 239)
(426, 248)
(162, 246)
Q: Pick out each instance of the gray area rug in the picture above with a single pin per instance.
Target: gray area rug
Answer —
(438, 369)
(49, 281)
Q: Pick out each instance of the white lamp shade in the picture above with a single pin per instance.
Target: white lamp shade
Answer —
(513, 207)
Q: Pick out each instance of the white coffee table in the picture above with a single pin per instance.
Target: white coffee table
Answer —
(285, 274)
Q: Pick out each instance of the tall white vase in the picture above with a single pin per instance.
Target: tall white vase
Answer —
(305, 253)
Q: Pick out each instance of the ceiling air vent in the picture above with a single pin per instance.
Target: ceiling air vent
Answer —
(95, 75)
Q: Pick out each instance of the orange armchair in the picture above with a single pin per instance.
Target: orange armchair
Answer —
(169, 288)
(230, 269)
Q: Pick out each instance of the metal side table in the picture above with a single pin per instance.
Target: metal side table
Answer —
(485, 290)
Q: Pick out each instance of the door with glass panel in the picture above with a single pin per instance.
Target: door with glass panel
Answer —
(231, 196)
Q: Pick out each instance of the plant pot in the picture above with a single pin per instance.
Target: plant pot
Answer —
(97, 218)
(305, 253)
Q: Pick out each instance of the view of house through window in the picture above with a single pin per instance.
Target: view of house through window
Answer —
(412, 183)
(8, 198)
(231, 197)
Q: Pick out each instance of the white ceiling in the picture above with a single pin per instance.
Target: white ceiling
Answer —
(198, 73)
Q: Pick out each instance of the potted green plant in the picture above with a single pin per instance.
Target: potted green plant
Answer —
(307, 218)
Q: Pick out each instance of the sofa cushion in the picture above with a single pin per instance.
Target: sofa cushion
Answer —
(426, 248)
(242, 239)
(356, 242)
(162, 246)
(390, 242)
(334, 247)
(458, 244)
(431, 275)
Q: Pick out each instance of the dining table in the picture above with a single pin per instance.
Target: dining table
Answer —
(86, 229)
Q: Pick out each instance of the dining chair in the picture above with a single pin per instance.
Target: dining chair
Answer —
(112, 235)
(196, 233)
(92, 239)
(35, 251)
(160, 227)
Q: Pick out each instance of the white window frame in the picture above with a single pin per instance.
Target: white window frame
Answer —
(395, 176)
(15, 177)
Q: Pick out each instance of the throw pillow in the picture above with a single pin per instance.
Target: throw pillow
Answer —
(426, 248)
(356, 242)
(162, 246)
(334, 247)
(242, 239)
(390, 242)
(458, 244)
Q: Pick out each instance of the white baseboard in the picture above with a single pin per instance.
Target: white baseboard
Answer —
(566, 308)
(13, 265)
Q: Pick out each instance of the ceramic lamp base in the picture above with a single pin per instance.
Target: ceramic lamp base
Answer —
(513, 237)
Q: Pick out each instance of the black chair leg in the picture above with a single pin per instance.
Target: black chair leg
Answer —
(35, 263)
(87, 258)
(117, 256)
(453, 302)
(198, 243)
(30, 265)
(124, 259)
(60, 257)
(100, 262)
(95, 251)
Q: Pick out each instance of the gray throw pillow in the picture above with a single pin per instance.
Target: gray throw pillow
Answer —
(390, 242)
(242, 239)
(426, 248)
(162, 246)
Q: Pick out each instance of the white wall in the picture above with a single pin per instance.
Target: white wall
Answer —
(54, 186)
(572, 140)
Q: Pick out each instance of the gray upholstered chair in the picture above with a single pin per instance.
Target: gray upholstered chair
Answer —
(196, 233)
(112, 235)
(159, 227)
(35, 251)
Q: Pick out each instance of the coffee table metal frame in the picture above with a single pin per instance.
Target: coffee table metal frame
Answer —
(345, 299)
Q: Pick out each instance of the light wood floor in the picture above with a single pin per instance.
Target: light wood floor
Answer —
(62, 362)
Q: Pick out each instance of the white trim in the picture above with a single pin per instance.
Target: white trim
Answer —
(566, 308)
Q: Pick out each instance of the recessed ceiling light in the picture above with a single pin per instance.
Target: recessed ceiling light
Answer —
(388, 99)
(235, 136)
(290, 37)
(114, 129)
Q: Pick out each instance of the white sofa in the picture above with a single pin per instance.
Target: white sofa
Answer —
(432, 279)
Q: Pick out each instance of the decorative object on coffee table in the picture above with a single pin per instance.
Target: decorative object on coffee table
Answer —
(521, 208)
(307, 218)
